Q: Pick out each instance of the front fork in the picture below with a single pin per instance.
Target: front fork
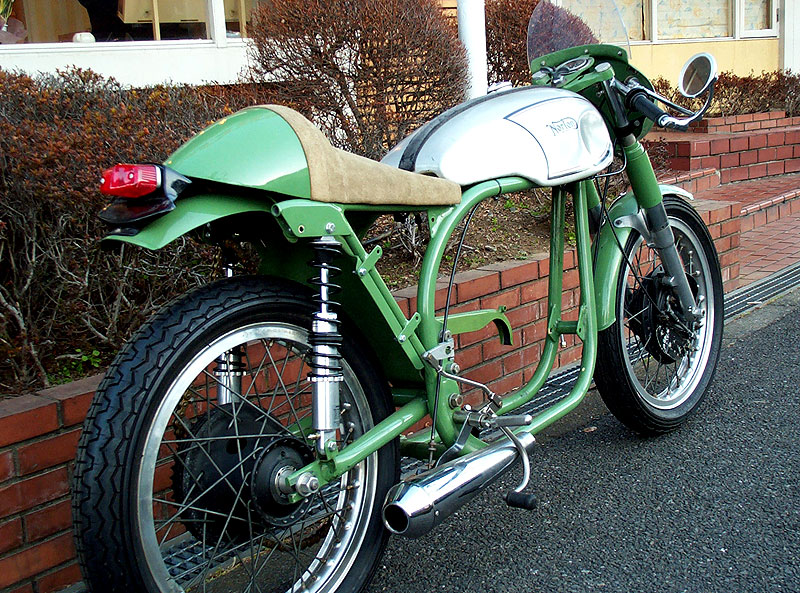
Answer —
(648, 195)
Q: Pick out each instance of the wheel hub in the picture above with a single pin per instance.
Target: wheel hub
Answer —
(658, 326)
(281, 458)
(231, 474)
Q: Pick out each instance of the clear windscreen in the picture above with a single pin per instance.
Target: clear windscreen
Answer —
(569, 23)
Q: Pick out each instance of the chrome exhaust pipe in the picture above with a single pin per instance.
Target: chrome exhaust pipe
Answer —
(416, 506)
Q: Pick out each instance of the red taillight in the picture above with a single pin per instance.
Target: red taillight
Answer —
(131, 181)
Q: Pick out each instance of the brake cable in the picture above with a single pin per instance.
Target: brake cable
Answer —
(432, 442)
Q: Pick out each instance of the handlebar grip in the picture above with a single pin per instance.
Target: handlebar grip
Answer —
(641, 103)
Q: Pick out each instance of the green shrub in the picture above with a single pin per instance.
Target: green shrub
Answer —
(736, 95)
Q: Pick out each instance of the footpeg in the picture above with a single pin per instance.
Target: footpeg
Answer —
(520, 500)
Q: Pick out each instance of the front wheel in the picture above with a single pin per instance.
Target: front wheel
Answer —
(179, 466)
(652, 370)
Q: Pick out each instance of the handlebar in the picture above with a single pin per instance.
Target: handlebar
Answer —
(639, 98)
(642, 103)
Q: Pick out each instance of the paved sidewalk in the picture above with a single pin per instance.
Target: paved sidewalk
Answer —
(769, 248)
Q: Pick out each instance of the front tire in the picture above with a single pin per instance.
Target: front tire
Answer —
(175, 476)
(651, 373)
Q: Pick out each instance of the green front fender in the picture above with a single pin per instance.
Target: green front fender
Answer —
(609, 256)
(191, 213)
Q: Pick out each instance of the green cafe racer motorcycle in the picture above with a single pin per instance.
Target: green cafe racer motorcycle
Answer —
(248, 437)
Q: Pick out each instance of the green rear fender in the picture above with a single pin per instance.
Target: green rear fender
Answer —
(191, 213)
(609, 256)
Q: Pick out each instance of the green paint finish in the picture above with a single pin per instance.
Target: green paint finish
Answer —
(429, 326)
(589, 321)
(585, 82)
(253, 148)
(641, 175)
(403, 395)
(416, 445)
(306, 218)
(470, 321)
(189, 214)
(592, 197)
(554, 289)
(609, 257)
(379, 435)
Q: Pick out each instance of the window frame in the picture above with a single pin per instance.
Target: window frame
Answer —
(736, 25)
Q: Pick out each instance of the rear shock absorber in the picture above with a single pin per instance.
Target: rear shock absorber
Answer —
(326, 341)
(230, 365)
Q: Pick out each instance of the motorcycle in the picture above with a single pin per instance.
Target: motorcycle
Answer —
(249, 436)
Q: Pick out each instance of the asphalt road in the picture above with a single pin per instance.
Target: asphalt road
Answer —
(714, 506)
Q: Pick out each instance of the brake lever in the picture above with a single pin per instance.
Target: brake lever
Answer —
(666, 120)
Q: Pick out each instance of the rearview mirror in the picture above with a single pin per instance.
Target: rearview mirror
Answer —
(697, 75)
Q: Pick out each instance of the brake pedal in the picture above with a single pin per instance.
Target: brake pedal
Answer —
(520, 500)
(517, 498)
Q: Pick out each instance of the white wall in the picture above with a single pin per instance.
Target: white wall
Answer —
(790, 34)
(135, 63)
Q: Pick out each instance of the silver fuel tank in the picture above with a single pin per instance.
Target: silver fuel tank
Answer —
(549, 136)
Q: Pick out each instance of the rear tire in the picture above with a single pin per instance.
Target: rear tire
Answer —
(170, 492)
(650, 375)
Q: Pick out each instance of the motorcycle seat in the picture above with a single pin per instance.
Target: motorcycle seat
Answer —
(345, 178)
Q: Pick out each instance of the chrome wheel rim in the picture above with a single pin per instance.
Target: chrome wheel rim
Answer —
(182, 552)
(659, 384)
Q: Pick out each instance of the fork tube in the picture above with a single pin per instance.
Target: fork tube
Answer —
(648, 195)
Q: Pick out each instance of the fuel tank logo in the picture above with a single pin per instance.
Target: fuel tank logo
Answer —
(562, 125)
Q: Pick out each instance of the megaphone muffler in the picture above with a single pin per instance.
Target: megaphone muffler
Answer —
(416, 506)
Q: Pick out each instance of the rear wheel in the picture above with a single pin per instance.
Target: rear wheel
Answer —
(652, 370)
(178, 474)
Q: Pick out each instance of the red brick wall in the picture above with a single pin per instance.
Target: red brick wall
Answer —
(39, 432)
(38, 439)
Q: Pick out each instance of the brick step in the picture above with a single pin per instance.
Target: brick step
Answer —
(768, 248)
(738, 156)
(761, 201)
(692, 181)
(749, 122)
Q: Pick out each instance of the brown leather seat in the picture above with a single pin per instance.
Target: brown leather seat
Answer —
(339, 176)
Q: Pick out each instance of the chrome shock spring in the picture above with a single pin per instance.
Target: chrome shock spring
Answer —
(326, 342)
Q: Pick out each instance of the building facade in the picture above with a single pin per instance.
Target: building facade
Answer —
(142, 42)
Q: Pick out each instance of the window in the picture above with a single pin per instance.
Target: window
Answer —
(667, 20)
(696, 19)
(758, 18)
(46, 21)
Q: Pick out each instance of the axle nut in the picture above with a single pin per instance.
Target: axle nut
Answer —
(307, 484)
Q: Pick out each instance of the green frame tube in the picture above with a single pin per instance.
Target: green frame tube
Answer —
(429, 329)
(586, 326)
